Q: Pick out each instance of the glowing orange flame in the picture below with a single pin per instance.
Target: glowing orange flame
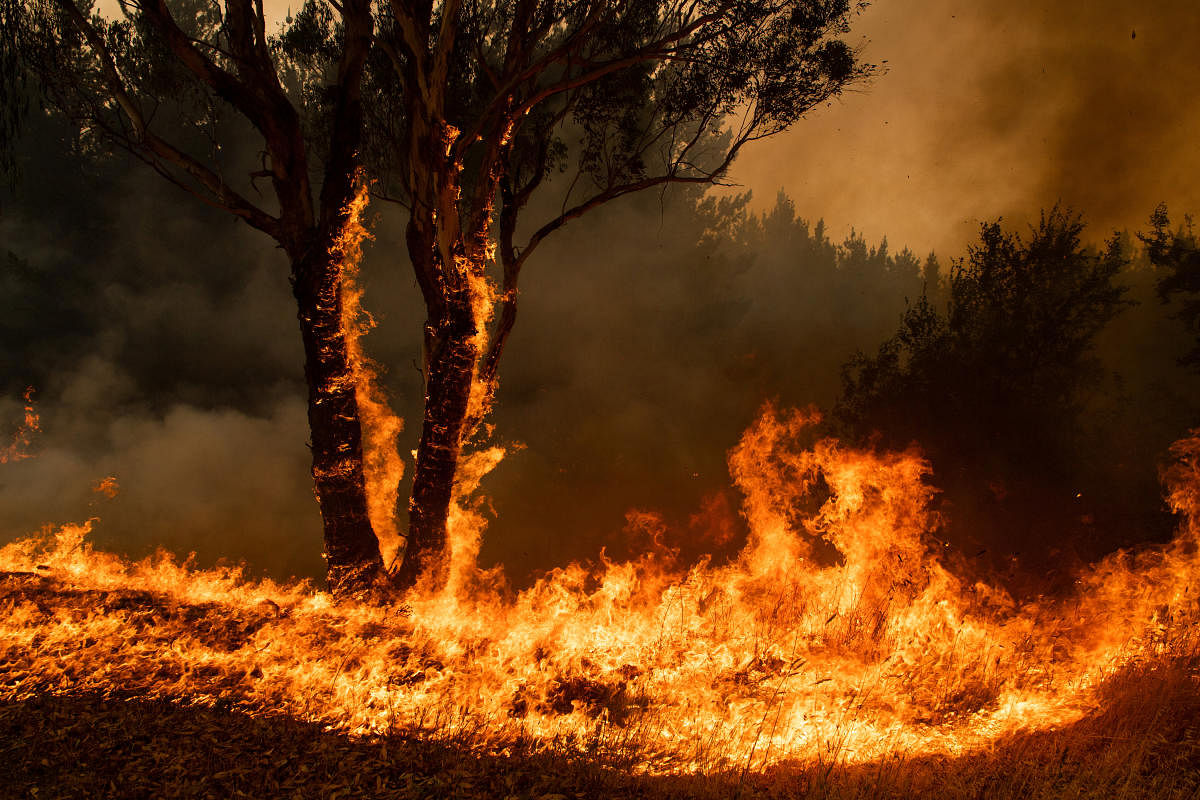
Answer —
(107, 487)
(483, 304)
(382, 464)
(18, 448)
(770, 657)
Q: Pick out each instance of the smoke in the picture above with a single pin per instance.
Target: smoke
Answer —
(161, 335)
(161, 340)
(222, 484)
(1000, 108)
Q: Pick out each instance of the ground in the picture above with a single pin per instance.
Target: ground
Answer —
(93, 747)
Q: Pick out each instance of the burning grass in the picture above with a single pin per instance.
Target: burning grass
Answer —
(1146, 744)
(884, 673)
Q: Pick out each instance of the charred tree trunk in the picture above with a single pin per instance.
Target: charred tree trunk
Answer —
(450, 369)
(447, 262)
(351, 548)
(355, 566)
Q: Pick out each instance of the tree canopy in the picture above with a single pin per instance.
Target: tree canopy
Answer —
(1177, 253)
(993, 385)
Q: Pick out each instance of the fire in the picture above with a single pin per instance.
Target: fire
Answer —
(18, 448)
(783, 653)
(483, 304)
(382, 464)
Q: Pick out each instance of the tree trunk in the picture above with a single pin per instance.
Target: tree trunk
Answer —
(355, 566)
(450, 367)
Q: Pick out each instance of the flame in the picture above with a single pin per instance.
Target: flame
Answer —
(18, 447)
(382, 465)
(777, 655)
(483, 306)
(107, 487)
(465, 522)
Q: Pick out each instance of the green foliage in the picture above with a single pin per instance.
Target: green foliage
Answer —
(1031, 310)
(617, 93)
(992, 388)
(14, 97)
(1178, 254)
(621, 101)
(306, 52)
(1013, 346)
(53, 58)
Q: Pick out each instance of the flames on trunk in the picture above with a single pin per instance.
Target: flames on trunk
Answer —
(777, 655)
(382, 466)
(31, 425)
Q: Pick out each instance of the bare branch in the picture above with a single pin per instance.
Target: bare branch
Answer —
(712, 176)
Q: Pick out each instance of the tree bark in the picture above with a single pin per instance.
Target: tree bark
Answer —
(446, 260)
(450, 369)
(351, 548)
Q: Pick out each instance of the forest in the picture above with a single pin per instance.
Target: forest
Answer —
(667, 340)
(592, 472)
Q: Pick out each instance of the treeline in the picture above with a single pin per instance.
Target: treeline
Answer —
(1040, 371)
(1042, 416)
(674, 317)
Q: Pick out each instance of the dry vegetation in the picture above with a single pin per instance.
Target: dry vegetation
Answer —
(1145, 744)
(104, 724)
(886, 674)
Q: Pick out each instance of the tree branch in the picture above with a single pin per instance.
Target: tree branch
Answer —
(613, 192)
(500, 103)
(146, 140)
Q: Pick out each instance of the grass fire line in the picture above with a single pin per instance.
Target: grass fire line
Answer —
(773, 658)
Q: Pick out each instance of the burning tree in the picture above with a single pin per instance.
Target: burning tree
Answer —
(158, 84)
(473, 107)
(491, 99)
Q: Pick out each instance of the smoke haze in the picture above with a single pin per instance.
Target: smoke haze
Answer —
(162, 340)
(997, 108)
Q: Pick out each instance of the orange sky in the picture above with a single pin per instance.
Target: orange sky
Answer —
(993, 108)
(999, 107)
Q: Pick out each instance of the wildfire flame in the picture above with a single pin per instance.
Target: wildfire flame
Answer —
(776, 655)
(483, 305)
(18, 448)
(382, 464)
(107, 487)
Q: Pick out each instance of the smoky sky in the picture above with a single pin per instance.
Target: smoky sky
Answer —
(990, 108)
(162, 339)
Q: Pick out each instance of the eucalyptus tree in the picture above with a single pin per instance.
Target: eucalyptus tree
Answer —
(161, 82)
(474, 107)
(479, 106)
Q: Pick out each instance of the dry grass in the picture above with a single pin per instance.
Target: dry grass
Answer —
(1144, 742)
(62, 735)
